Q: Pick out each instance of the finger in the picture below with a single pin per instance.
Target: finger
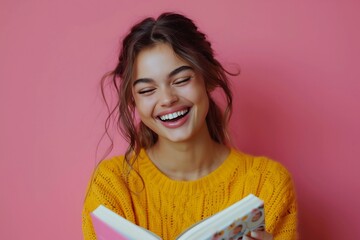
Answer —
(261, 235)
(247, 238)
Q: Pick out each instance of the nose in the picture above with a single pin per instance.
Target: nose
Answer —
(168, 97)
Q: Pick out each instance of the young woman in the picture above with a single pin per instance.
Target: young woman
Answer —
(179, 167)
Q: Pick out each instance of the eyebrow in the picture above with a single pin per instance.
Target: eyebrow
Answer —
(171, 74)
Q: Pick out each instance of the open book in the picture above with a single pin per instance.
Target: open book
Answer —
(231, 223)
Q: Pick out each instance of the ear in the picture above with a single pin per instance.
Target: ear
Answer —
(132, 102)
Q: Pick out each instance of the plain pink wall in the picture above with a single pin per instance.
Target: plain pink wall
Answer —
(297, 101)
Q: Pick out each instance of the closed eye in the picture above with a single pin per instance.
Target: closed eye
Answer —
(181, 81)
(146, 91)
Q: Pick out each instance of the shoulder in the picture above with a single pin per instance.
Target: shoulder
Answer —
(266, 170)
(111, 166)
(107, 184)
(272, 182)
(108, 173)
(106, 187)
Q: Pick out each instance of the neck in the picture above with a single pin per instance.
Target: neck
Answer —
(188, 160)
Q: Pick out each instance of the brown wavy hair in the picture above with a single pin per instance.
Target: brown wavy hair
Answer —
(189, 44)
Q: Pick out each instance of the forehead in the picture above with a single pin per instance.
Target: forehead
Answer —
(156, 62)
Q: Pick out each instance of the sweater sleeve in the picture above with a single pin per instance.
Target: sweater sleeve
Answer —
(281, 203)
(105, 187)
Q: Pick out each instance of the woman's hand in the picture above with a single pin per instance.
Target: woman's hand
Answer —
(260, 235)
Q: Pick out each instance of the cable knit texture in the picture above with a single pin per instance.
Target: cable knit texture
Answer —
(167, 207)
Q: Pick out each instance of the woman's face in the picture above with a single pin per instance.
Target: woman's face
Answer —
(171, 99)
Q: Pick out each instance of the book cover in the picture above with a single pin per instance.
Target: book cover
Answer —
(232, 223)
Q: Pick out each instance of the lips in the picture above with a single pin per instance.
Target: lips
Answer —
(174, 118)
(174, 115)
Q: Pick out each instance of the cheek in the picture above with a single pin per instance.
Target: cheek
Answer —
(144, 107)
(200, 96)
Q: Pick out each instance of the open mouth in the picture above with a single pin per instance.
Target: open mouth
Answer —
(174, 116)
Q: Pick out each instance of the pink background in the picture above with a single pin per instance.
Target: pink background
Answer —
(297, 101)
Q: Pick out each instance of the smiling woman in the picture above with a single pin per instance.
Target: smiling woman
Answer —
(173, 100)
(179, 156)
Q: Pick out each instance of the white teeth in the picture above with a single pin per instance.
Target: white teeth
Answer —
(171, 116)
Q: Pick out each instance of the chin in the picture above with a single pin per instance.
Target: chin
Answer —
(176, 138)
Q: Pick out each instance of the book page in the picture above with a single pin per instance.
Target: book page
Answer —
(109, 226)
(255, 220)
(230, 223)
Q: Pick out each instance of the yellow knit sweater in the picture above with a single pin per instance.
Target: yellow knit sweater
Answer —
(167, 207)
